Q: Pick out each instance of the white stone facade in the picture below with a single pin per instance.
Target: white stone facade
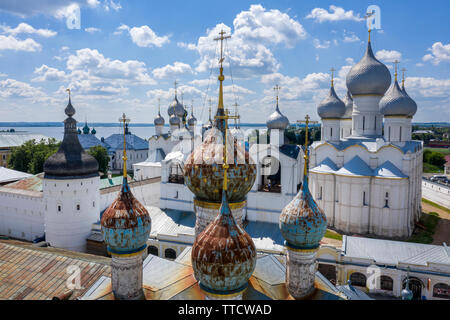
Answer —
(367, 183)
(21, 213)
(71, 207)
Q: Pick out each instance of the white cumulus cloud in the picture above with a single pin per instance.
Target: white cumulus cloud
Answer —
(249, 50)
(26, 28)
(439, 53)
(172, 70)
(388, 55)
(335, 14)
(46, 73)
(12, 43)
(144, 36)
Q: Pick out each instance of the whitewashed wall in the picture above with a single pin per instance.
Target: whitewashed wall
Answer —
(21, 214)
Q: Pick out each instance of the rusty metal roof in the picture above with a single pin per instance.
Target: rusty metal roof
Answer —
(32, 273)
(33, 183)
(173, 280)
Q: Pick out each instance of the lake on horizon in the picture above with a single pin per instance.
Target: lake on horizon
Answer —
(144, 132)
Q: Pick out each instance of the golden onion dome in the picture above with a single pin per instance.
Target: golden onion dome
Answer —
(203, 169)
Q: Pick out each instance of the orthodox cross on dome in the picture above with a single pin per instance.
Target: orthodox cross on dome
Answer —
(277, 89)
(175, 84)
(221, 76)
(125, 122)
(332, 76)
(68, 90)
(396, 62)
(403, 77)
(307, 121)
(159, 106)
(236, 114)
(221, 38)
(367, 16)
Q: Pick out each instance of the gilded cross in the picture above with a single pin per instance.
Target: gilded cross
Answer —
(221, 38)
(277, 91)
(175, 85)
(367, 16)
(124, 120)
(332, 76)
(396, 62)
(307, 121)
(403, 76)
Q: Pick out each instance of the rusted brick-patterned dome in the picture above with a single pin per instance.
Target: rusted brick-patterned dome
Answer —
(223, 255)
(203, 169)
(126, 223)
(302, 222)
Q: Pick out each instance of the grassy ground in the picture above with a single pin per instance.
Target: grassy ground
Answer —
(444, 151)
(333, 235)
(429, 168)
(436, 205)
(425, 235)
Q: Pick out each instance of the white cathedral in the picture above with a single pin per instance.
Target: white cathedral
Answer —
(366, 177)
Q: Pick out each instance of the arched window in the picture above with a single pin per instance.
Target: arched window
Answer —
(386, 283)
(441, 290)
(358, 279)
(170, 254)
(386, 200)
(176, 173)
(270, 175)
(152, 250)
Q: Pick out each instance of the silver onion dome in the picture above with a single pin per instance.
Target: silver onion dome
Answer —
(174, 120)
(348, 101)
(397, 103)
(331, 106)
(406, 93)
(159, 120)
(192, 121)
(277, 120)
(368, 76)
(176, 108)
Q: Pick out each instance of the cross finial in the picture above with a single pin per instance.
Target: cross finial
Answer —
(125, 121)
(332, 76)
(396, 62)
(221, 38)
(367, 16)
(159, 106)
(68, 90)
(306, 122)
(403, 77)
(277, 91)
(175, 84)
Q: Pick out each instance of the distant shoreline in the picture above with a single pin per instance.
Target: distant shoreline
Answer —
(113, 124)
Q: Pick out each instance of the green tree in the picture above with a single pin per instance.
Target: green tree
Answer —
(101, 155)
(437, 159)
(30, 156)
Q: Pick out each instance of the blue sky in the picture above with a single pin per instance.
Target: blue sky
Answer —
(127, 54)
